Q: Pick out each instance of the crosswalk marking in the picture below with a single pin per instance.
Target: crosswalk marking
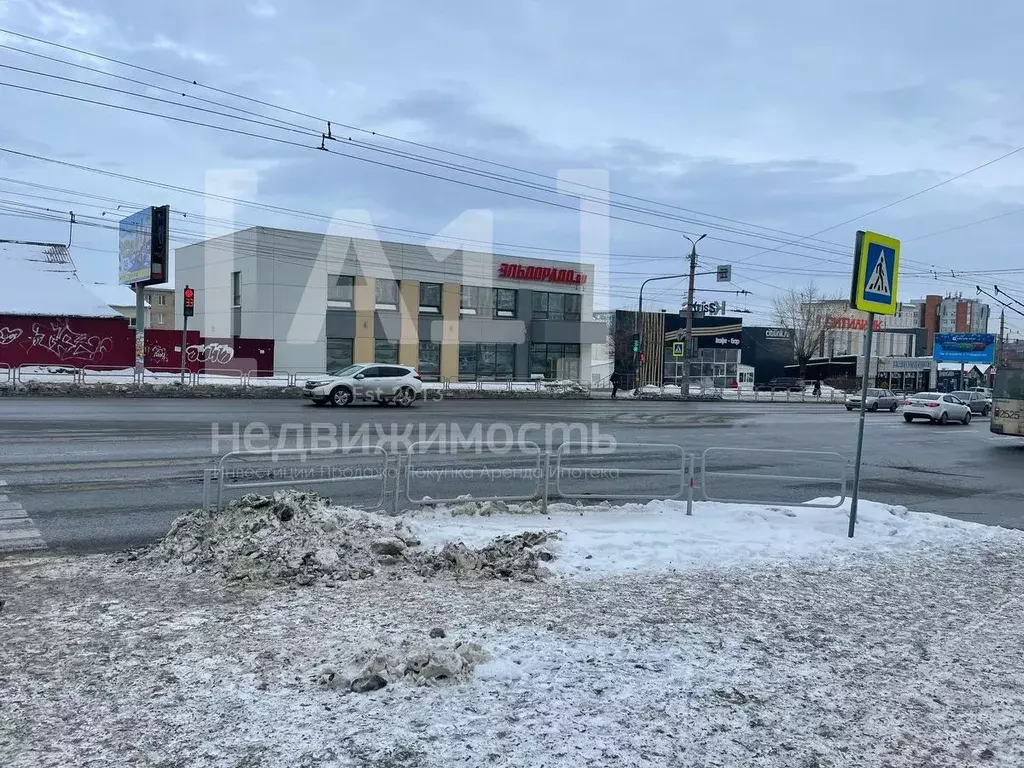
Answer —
(18, 533)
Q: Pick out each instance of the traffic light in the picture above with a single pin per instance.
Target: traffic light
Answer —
(636, 343)
(190, 301)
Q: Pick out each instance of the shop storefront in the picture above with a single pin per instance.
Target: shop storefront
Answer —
(905, 374)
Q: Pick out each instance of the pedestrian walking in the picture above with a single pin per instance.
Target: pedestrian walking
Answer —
(615, 379)
(817, 388)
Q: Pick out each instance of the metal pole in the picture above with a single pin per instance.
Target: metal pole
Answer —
(637, 332)
(960, 384)
(140, 331)
(689, 314)
(868, 334)
(184, 346)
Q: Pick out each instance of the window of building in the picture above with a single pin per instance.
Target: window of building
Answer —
(339, 354)
(504, 302)
(430, 297)
(131, 322)
(340, 290)
(159, 318)
(557, 306)
(159, 299)
(555, 360)
(236, 289)
(385, 351)
(486, 361)
(430, 360)
(385, 293)
(469, 300)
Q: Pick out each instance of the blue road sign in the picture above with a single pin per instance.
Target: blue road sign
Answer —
(876, 274)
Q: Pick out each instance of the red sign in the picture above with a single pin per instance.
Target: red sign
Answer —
(542, 274)
(851, 324)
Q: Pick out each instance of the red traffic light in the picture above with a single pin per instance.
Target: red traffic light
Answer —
(190, 298)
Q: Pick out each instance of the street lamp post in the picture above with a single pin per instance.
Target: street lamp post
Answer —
(689, 312)
(638, 327)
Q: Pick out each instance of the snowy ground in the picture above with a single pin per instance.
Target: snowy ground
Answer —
(739, 636)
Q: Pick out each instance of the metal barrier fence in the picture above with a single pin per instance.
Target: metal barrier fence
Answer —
(542, 470)
(775, 454)
(311, 478)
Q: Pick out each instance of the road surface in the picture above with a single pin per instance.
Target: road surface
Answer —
(93, 475)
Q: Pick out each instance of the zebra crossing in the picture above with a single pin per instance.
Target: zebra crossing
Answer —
(17, 531)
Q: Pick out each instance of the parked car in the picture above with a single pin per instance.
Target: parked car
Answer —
(978, 401)
(384, 384)
(987, 391)
(781, 384)
(877, 399)
(937, 407)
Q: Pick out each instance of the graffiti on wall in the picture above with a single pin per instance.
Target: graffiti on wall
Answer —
(9, 335)
(210, 353)
(58, 339)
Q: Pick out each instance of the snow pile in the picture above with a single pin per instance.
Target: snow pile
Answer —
(297, 536)
(370, 669)
(565, 387)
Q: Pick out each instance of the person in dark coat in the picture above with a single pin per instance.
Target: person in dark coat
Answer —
(615, 379)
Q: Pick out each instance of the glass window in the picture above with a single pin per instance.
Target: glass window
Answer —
(430, 297)
(469, 300)
(467, 360)
(548, 360)
(1009, 383)
(236, 289)
(385, 351)
(339, 354)
(340, 289)
(540, 305)
(556, 306)
(392, 372)
(573, 306)
(504, 360)
(504, 302)
(485, 361)
(385, 293)
(430, 359)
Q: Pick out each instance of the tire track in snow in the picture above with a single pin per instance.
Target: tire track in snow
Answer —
(18, 533)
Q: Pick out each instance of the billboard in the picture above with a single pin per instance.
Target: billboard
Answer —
(978, 348)
(142, 247)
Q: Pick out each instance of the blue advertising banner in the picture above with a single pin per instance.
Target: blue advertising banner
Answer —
(979, 348)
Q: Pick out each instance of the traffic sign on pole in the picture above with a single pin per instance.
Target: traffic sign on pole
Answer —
(678, 349)
(876, 273)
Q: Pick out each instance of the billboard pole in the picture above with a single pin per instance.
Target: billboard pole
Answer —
(140, 331)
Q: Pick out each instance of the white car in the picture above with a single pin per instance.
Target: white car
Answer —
(398, 384)
(937, 407)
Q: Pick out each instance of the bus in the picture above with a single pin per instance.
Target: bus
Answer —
(1008, 394)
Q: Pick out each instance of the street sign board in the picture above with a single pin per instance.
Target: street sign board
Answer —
(678, 349)
(724, 273)
(876, 272)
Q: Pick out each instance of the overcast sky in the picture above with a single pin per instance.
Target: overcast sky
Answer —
(792, 116)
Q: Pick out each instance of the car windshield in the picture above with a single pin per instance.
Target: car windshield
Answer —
(925, 396)
(350, 371)
(875, 392)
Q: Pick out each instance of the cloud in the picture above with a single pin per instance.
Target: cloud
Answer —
(58, 20)
(183, 51)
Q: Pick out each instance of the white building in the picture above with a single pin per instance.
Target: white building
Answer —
(844, 334)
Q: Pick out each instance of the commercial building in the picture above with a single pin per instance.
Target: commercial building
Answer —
(328, 301)
(896, 335)
(951, 314)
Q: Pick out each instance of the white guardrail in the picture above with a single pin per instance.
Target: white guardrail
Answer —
(535, 474)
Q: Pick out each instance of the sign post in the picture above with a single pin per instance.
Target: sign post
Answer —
(876, 270)
(143, 261)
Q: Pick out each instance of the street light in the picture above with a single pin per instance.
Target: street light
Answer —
(689, 311)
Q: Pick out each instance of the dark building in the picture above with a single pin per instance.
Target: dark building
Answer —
(768, 351)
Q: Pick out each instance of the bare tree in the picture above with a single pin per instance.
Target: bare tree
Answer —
(805, 313)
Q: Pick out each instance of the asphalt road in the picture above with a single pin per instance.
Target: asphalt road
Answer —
(91, 475)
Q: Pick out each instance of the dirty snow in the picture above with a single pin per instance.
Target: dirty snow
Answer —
(722, 639)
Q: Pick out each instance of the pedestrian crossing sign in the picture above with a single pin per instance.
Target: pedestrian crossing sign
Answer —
(678, 349)
(876, 270)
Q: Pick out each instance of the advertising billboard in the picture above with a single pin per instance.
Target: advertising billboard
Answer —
(142, 247)
(977, 348)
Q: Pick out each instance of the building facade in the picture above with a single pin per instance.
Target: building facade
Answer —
(162, 315)
(328, 301)
(951, 314)
(895, 335)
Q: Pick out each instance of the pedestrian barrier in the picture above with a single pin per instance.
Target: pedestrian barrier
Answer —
(675, 455)
(532, 465)
(7, 373)
(303, 476)
(708, 457)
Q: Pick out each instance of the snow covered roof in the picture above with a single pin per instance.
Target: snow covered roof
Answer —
(41, 279)
(114, 295)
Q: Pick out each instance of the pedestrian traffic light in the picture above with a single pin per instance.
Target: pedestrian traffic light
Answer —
(190, 301)
(643, 358)
(636, 343)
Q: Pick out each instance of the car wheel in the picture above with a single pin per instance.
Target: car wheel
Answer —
(873, 407)
(907, 418)
(405, 397)
(967, 418)
(985, 411)
(341, 396)
(892, 408)
(849, 407)
(943, 418)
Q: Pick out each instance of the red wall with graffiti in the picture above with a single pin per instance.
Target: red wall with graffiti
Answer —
(109, 344)
(70, 341)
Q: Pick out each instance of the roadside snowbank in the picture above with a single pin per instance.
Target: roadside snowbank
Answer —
(735, 637)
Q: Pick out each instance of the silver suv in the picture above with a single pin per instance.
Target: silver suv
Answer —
(384, 384)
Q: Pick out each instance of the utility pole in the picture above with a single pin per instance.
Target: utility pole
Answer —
(689, 313)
